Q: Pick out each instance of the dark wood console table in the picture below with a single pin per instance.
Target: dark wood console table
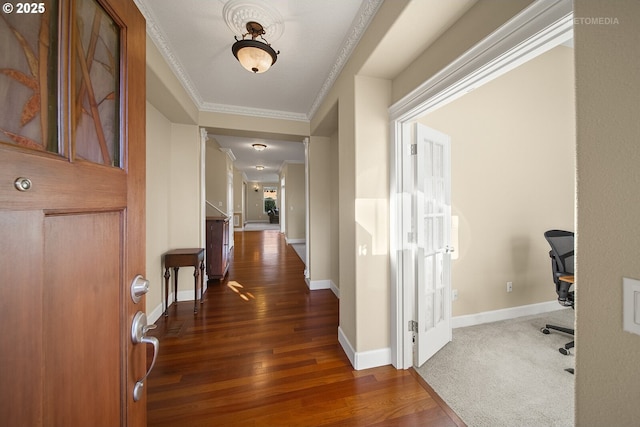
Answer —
(193, 257)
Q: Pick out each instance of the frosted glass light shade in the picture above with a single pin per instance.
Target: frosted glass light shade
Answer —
(254, 56)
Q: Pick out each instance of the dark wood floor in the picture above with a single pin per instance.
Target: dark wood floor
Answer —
(263, 351)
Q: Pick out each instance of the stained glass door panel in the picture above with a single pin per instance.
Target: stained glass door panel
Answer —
(29, 78)
(97, 85)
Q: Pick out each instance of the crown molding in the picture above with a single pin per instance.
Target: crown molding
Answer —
(254, 112)
(163, 45)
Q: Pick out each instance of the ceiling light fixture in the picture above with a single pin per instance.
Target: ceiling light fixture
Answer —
(260, 167)
(253, 54)
(258, 147)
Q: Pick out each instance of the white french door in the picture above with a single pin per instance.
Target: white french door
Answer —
(431, 220)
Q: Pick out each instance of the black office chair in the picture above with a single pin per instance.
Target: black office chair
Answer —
(562, 264)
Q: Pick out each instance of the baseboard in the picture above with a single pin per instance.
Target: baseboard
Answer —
(504, 314)
(187, 295)
(335, 289)
(155, 314)
(315, 285)
(364, 359)
(294, 241)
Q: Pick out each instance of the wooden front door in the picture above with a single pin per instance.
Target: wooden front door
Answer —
(72, 230)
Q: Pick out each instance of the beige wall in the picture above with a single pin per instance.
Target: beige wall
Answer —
(174, 217)
(158, 194)
(334, 231)
(295, 214)
(238, 195)
(173, 209)
(320, 209)
(216, 177)
(608, 247)
(372, 99)
(513, 174)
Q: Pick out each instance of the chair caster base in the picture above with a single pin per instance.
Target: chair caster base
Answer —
(564, 351)
(545, 331)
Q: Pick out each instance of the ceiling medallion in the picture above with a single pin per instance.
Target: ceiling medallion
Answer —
(237, 13)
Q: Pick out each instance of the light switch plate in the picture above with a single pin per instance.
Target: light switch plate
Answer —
(631, 305)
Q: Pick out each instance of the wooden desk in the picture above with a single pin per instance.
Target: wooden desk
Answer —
(568, 279)
(183, 258)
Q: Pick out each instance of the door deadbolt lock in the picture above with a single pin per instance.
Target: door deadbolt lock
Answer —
(139, 287)
(22, 184)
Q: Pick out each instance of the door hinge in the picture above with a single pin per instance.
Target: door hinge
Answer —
(413, 326)
(414, 149)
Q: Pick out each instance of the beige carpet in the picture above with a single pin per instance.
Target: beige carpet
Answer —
(507, 373)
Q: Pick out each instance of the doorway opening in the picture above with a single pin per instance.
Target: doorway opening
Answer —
(536, 30)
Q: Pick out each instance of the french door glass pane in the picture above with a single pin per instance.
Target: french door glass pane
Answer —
(28, 75)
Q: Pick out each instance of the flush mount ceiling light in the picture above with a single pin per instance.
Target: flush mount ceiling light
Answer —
(260, 167)
(254, 55)
(258, 147)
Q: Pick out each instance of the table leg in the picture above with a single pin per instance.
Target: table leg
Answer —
(195, 288)
(166, 291)
(201, 281)
(175, 284)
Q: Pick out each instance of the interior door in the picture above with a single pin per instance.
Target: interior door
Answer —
(432, 219)
(72, 229)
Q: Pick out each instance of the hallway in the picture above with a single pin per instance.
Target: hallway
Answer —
(263, 351)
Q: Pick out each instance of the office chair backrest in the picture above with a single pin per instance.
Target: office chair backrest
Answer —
(562, 262)
(562, 248)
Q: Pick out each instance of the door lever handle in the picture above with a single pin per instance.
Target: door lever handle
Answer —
(139, 329)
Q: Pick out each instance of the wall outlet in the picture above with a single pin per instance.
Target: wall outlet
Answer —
(509, 286)
(454, 294)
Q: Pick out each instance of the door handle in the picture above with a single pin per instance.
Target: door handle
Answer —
(450, 249)
(139, 329)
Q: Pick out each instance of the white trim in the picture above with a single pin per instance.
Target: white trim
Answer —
(541, 26)
(335, 290)
(504, 314)
(365, 359)
(315, 285)
(294, 241)
(155, 314)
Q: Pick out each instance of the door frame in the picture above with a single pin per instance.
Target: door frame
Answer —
(537, 29)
